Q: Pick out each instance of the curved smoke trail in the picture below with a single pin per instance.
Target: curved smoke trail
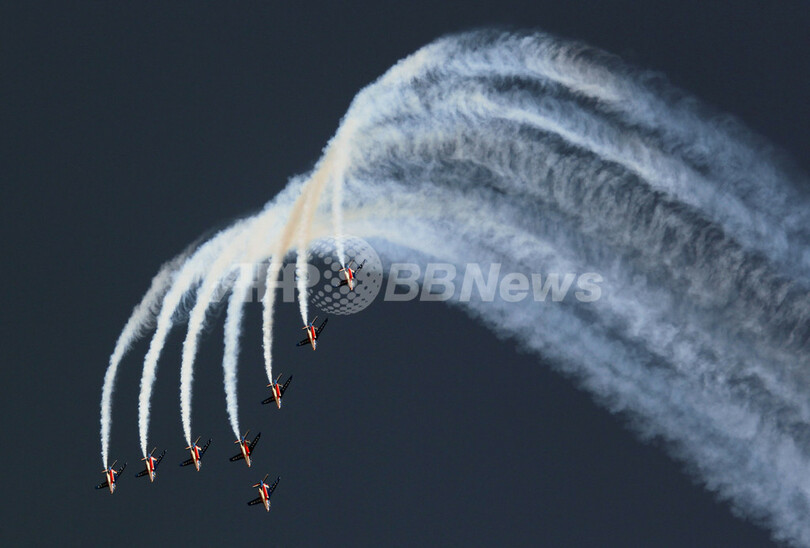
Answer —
(196, 322)
(534, 155)
(186, 277)
(268, 301)
(233, 327)
(701, 334)
(302, 281)
(140, 319)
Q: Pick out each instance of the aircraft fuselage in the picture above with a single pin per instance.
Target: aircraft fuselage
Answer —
(265, 496)
(110, 473)
(245, 448)
(313, 337)
(195, 456)
(150, 467)
(350, 279)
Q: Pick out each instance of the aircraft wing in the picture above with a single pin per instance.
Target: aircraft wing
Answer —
(273, 487)
(160, 458)
(302, 343)
(320, 328)
(271, 399)
(120, 470)
(102, 485)
(257, 500)
(142, 473)
(187, 462)
(237, 457)
(205, 447)
(255, 441)
(286, 384)
(343, 282)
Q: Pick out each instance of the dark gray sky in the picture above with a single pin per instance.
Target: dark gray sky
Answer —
(130, 131)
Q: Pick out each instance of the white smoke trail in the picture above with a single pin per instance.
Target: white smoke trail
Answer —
(233, 327)
(142, 316)
(728, 336)
(641, 99)
(341, 165)
(302, 281)
(697, 401)
(267, 314)
(250, 246)
(216, 256)
(337, 215)
(547, 157)
(279, 251)
(300, 221)
(214, 279)
(187, 276)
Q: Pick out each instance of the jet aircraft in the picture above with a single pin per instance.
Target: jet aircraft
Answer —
(313, 333)
(111, 477)
(265, 492)
(196, 453)
(278, 391)
(245, 448)
(349, 275)
(151, 465)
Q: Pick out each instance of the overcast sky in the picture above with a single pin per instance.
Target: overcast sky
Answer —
(130, 131)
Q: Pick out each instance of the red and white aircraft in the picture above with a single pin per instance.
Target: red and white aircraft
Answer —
(245, 448)
(349, 274)
(151, 465)
(111, 477)
(196, 453)
(265, 492)
(278, 391)
(312, 333)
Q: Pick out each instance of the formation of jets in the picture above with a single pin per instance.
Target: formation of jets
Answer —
(347, 275)
(246, 447)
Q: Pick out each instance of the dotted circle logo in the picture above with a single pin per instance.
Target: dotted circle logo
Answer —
(332, 296)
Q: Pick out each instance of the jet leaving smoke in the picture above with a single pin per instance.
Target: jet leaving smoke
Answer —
(547, 156)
